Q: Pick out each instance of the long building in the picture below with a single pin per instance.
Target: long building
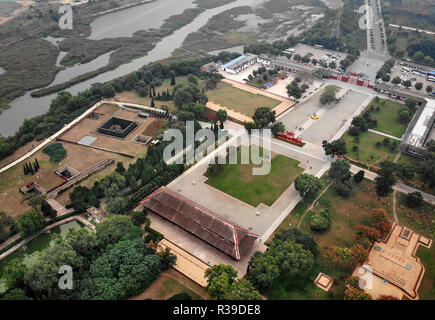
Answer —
(200, 222)
(416, 136)
(239, 64)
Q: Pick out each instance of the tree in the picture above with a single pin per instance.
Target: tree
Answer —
(386, 180)
(429, 89)
(340, 170)
(418, 86)
(83, 242)
(319, 221)
(308, 185)
(243, 289)
(360, 123)
(122, 271)
(117, 205)
(116, 227)
(249, 126)
(294, 234)
(286, 259)
(407, 83)
(404, 115)
(343, 188)
(47, 210)
(43, 275)
(14, 272)
(328, 96)
(352, 293)
(219, 280)
(335, 148)
(277, 128)
(263, 116)
(222, 115)
(120, 167)
(167, 258)
(29, 223)
(396, 80)
(414, 199)
(411, 103)
(359, 176)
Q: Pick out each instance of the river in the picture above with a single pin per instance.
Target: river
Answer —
(156, 12)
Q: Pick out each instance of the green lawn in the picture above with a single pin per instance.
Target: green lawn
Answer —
(367, 148)
(427, 286)
(239, 100)
(387, 117)
(421, 220)
(237, 180)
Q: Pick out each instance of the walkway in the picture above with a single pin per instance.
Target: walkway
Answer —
(187, 264)
(398, 186)
(385, 135)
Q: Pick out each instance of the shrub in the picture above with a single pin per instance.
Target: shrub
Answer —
(354, 131)
(414, 199)
(55, 151)
(343, 189)
(359, 176)
(319, 221)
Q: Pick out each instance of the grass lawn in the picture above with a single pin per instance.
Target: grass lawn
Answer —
(421, 220)
(170, 283)
(237, 180)
(239, 100)
(367, 148)
(345, 214)
(388, 120)
(427, 286)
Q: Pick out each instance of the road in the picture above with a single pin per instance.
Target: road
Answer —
(376, 37)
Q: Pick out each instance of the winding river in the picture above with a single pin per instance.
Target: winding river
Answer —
(120, 23)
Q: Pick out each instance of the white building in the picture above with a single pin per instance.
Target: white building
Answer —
(264, 59)
(239, 64)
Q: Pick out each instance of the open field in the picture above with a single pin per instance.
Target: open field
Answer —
(387, 117)
(237, 180)
(239, 100)
(367, 151)
(345, 215)
(170, 283)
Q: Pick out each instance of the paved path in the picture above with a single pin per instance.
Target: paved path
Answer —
(398, 186)
(409, 28)
(186, 263)
(385, 134)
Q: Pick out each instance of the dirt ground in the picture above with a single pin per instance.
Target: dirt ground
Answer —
(172, 282)
(88, 127)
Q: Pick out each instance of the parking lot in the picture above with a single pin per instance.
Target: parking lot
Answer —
(412, 75)
(318, 53)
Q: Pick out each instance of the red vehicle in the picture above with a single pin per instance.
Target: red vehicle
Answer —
(290, 137)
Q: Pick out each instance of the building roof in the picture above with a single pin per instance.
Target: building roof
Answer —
(234, 64)
(417, 136)
(223, 235)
